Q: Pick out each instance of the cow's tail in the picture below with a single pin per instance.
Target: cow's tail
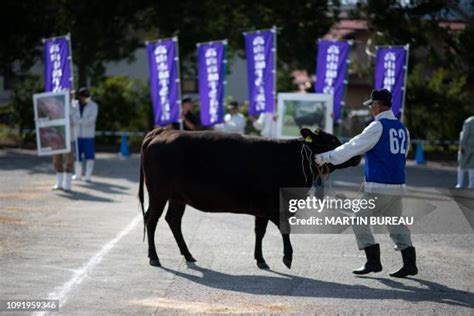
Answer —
(141, 199)
(148, 138)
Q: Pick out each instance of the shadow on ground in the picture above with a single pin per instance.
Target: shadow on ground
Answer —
(107, 165)
(83, 196)
(103, 187)
(290, 285)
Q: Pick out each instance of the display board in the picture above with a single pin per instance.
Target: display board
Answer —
(298, 110)
(53, 134)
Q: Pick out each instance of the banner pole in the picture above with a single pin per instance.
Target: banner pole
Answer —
(71, 79)
(274, 29)
(71, 65)
(259, 30)
(343, 110)
(54, 37)
(407, 48)
(212, 42)
(224, 81)
(178, 70)
(160, 39)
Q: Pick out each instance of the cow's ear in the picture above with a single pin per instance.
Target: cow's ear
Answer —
(307, 135)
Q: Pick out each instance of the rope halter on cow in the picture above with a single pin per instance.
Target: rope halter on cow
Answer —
(308, 155)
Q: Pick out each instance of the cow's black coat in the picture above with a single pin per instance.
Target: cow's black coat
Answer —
(216, 172)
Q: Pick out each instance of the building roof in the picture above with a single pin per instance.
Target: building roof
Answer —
(345, 27)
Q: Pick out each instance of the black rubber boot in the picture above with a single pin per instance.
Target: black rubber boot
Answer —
(373, 263)
(409, 264)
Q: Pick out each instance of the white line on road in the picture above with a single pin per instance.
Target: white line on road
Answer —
(62, 292)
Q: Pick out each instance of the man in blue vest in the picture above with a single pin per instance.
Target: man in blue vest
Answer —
(385, 144)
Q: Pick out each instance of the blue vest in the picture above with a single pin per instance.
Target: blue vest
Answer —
(385, 162)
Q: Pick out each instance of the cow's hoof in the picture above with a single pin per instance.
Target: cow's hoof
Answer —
(190, 258)
(263, 265)
(287, 262)
(155, 262)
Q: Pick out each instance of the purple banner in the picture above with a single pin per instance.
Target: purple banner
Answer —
(57, 64)
(331, 71)
(164, 81)
(260, 52)
(390, 69)
(211, 68)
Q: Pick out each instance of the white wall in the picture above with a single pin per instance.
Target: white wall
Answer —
(237, 80)
(138, 69)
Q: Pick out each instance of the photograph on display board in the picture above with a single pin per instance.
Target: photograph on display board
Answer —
(295, 111)
(51, 108)
(52, 138)
(52, 122)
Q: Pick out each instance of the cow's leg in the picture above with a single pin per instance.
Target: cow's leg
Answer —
(287, 248)
(173, 217)
(260, 229)
(152, 216)
(287, 251)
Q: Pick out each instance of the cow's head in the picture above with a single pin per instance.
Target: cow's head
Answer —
(320, 142)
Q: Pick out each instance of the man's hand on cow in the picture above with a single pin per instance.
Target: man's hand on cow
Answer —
(320, 159)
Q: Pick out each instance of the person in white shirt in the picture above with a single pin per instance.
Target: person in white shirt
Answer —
(385, 144)
(234, 121)
(266, 124)
(466, 153)
(86, 112)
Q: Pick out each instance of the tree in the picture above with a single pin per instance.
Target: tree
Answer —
(22, 25)
(101, 31)
(21, 103)
(440, 75)
(124, 104)
(299, 26)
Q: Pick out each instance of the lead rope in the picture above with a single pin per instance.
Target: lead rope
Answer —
(323, 174)
(306, 153)
(323, 171)
(329, 186)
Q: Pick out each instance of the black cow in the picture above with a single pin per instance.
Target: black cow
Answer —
(216, 172)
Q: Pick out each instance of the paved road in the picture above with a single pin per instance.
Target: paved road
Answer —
(86, 250)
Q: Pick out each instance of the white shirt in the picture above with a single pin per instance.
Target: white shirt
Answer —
(232, 124)
(73, 115)
(85, 124)
(266, 124)
(361, 144)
